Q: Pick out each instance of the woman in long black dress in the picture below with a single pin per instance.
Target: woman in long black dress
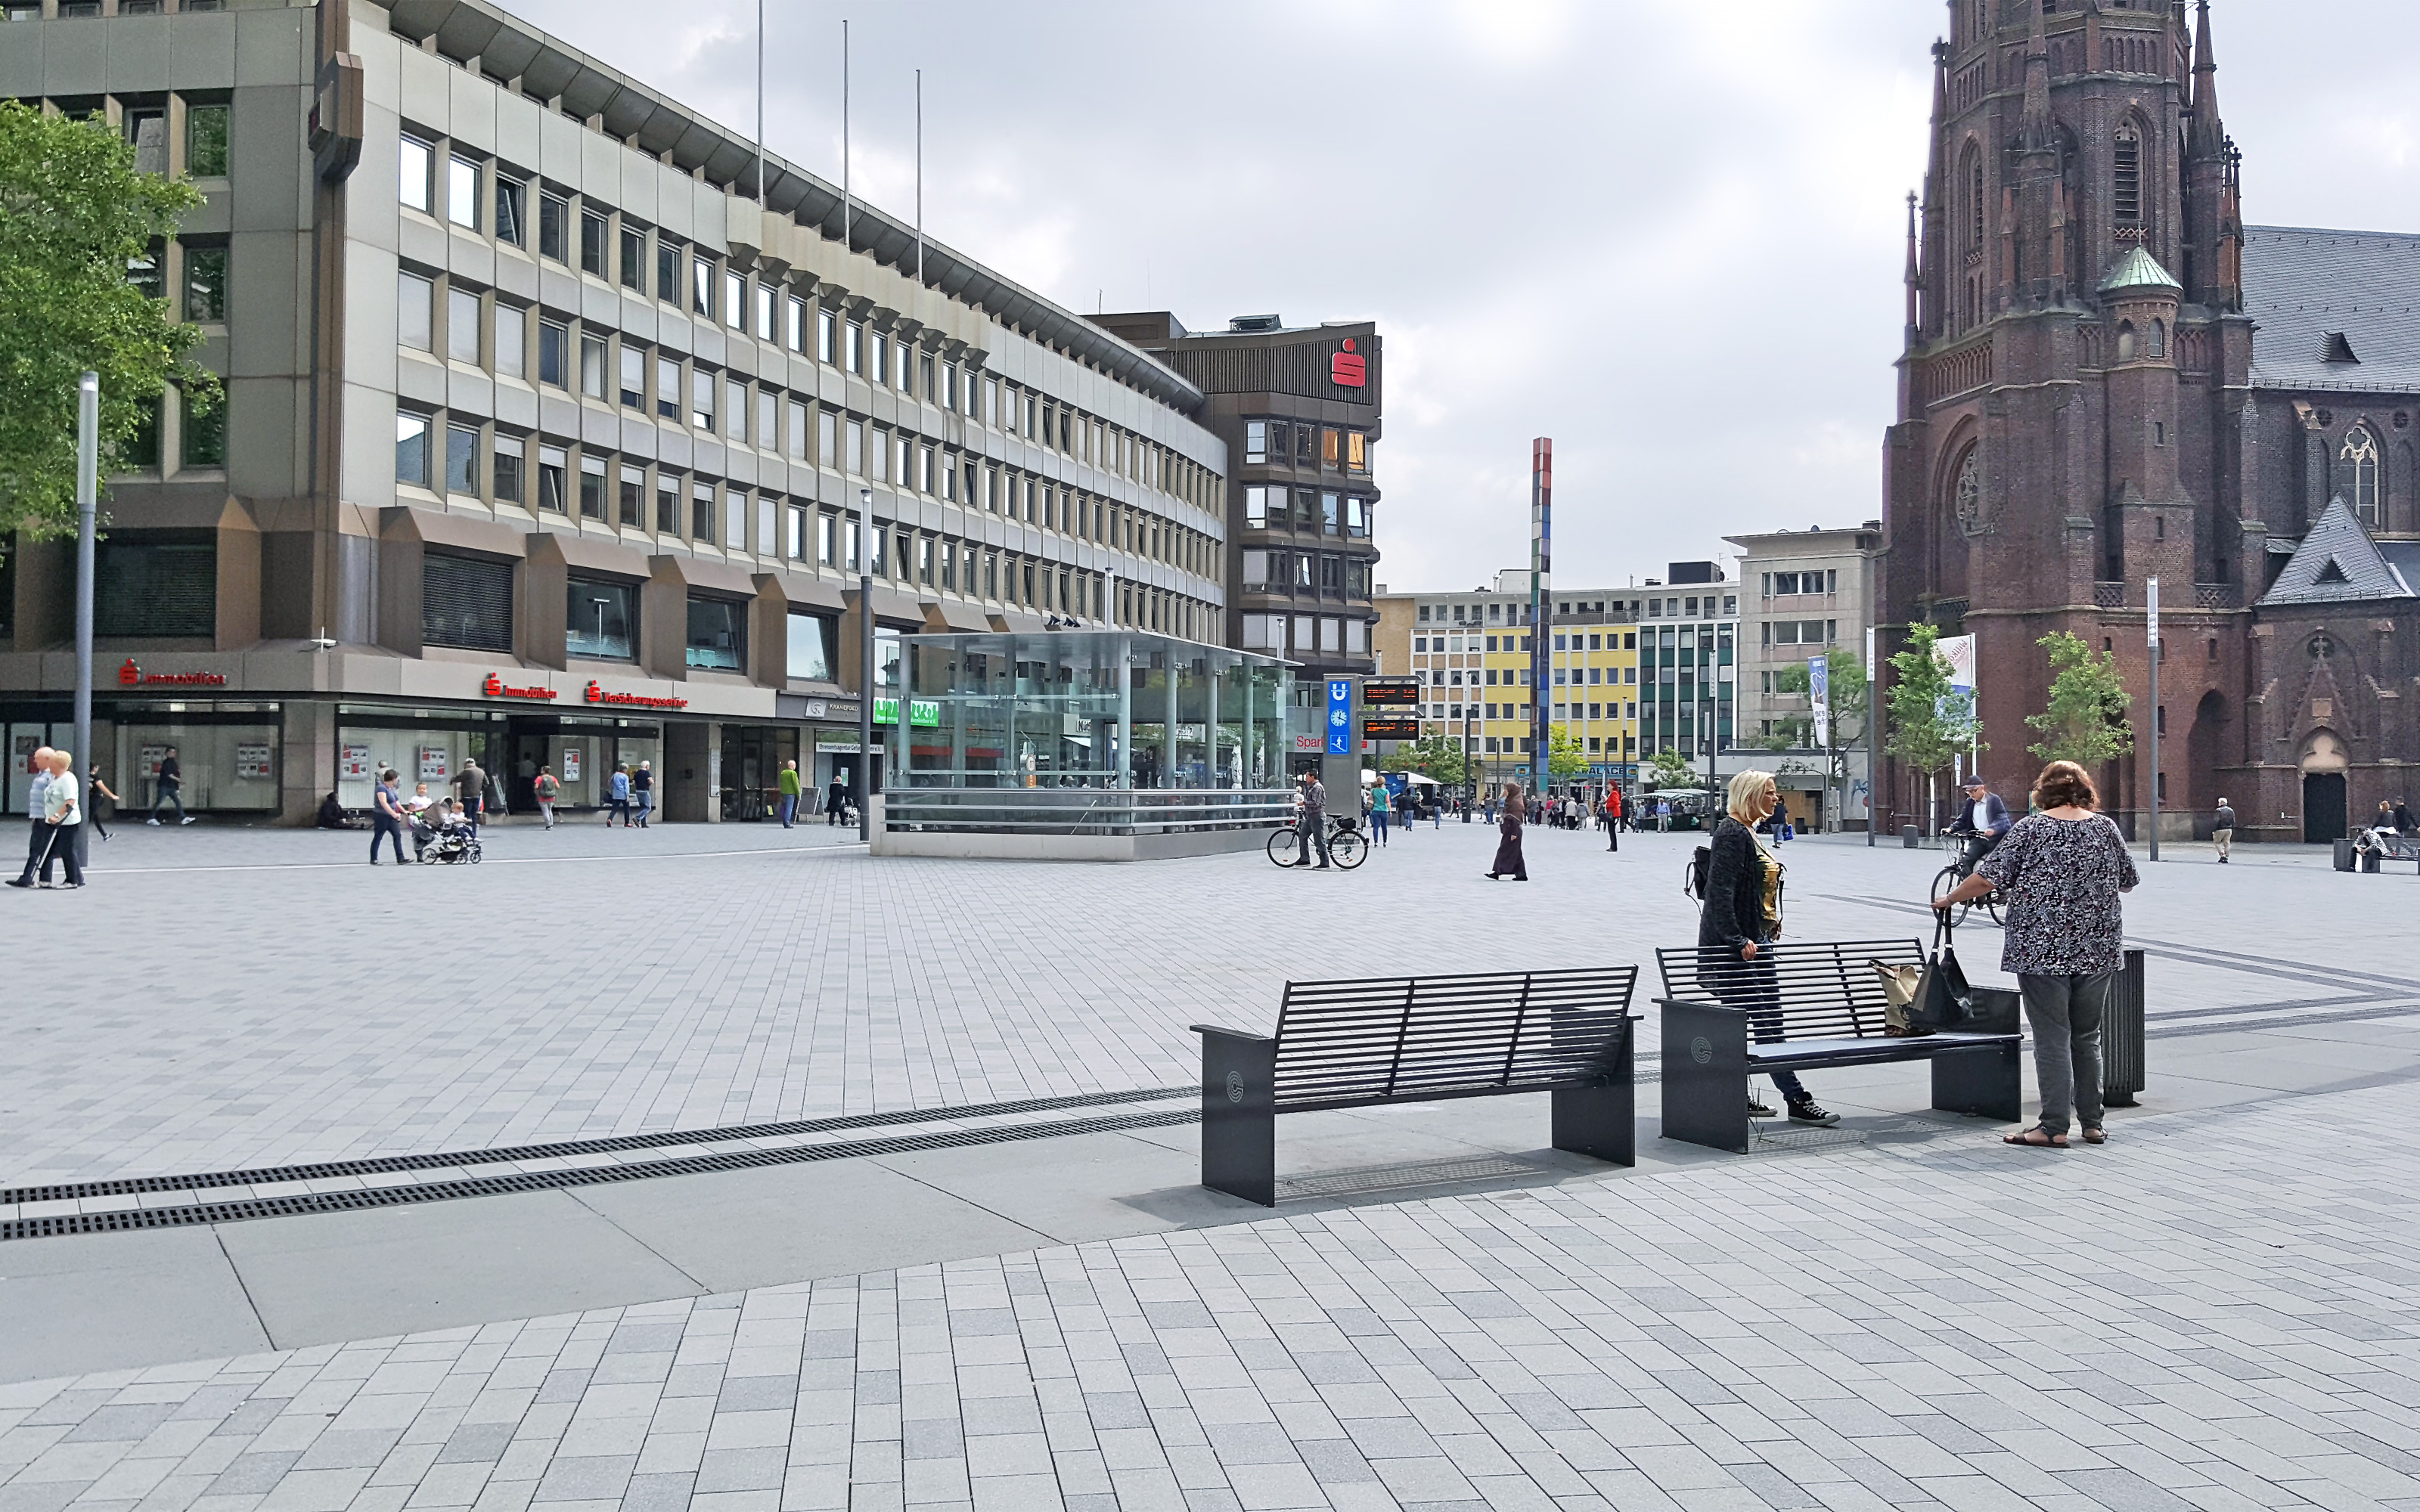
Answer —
(1508, 850)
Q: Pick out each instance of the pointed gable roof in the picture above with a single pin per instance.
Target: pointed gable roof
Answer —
(2336, 563)
(2138, 269)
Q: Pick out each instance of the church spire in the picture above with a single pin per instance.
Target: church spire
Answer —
(2036, 129)
(1912, 275)
(1936, 201)
(2208, 135)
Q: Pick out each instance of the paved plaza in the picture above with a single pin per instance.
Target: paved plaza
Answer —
(2219, 1309)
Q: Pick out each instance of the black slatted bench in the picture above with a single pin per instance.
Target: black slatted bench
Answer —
(1814, 1006)
(1349, 1045)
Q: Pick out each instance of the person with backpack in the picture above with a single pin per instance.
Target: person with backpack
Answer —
(546, 790)
(2062, 870)
(1738, 881)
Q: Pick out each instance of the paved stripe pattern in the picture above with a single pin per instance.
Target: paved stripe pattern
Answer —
(2214, 1311)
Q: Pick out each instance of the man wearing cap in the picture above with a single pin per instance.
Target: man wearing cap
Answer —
(1982, 819)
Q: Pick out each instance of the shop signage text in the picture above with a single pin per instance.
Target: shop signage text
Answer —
(920, 711)
(130, 675)
(594, 694)
(495, 687)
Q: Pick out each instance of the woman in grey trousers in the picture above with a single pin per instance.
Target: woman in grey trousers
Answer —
(2062, 870)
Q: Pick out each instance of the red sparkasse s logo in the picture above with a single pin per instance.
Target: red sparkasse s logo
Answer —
(594, 694)
(129, 675)
(1348, 369)
(496, 687)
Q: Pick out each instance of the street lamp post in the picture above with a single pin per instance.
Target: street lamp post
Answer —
(87, 503)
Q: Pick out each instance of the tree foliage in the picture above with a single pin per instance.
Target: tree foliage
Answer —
(1930, 725)
(1436, 757)
(1669, 769)
(2086, 721)
(74, 216)
(1565, 756)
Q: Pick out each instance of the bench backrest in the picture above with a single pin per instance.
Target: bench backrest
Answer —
(1356, 1041)
(1813, 988)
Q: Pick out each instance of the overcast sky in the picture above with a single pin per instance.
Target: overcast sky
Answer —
(1669, 237)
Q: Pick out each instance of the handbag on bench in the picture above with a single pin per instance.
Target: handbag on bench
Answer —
(1945, 1000)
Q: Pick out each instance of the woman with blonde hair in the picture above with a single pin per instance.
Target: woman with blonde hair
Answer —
(1508, 850)
(2062, 870)
(1742, 913)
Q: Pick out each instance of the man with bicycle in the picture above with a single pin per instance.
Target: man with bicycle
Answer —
(1312, 827)
(1982, 820)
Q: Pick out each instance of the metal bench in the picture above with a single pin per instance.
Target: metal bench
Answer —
(1804, 1007)
(1349, 1045)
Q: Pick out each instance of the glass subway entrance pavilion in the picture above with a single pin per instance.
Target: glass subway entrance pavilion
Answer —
(1103, 734)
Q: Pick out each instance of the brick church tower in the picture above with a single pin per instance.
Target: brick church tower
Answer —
(2072, 397)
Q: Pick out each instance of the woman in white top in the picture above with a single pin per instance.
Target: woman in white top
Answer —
(64, 816)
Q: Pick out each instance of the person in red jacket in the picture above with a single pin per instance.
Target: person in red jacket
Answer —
(1613, 819)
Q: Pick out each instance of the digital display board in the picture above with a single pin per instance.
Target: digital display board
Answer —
(1390, 726)
(1389, 693)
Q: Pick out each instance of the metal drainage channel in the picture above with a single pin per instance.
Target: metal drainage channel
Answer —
(355, 1199)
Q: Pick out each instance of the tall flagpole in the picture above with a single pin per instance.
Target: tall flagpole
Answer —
(760, 107)
(847, 205)
(920, 176)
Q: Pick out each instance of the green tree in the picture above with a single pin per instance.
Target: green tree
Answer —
(75, 220)
(2085, 719)
(1849, 691)
(1670, 770)
(1437, 756)
(1931, 724)
(1565, 756)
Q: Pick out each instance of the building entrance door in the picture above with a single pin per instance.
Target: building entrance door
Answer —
(2323, 807)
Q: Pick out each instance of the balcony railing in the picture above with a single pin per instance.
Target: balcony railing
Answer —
(2109, 595)
(2218, 596)
(1085, 811)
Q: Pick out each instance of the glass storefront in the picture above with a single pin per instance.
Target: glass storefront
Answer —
(1052, 710)
(228, 753)
(429, 746)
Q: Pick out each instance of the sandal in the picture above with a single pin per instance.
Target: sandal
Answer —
(2096, 1136)
(2024, 1136)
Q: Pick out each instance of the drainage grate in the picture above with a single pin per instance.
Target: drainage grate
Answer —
(1362, 1180)
(335, 1171)
(355, 1199)
(1787, 1138)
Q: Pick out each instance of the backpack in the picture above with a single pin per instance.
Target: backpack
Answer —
(1693, 876)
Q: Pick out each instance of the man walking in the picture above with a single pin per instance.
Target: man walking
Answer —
(172, 785)
(40, 838)
(546, 790)
(643, 792)
(617, 798)
(789, 793)
(471, 792)
(2222, 829)
(1313, 829)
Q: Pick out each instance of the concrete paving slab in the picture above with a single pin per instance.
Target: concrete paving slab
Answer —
(327, 1277)
(109, 1302)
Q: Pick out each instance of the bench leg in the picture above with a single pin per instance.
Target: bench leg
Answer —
(1600, 1121)
(1984, 1081)
(1705, 1076)
(1239, 1116)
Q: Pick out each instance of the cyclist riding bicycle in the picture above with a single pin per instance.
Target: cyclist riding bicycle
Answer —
(1982, 820)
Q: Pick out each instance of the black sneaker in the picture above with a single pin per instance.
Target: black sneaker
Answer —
(1756, 1108)
(1808, 1113)
(19, 882)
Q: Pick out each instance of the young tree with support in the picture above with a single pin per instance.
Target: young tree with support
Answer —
(2084, 719)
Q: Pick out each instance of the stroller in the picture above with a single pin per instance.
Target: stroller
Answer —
(449, 844)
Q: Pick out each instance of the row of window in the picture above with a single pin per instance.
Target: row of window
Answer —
(1688, 606)
(555, 480)
(1288, 443)
(479, 329)
(1321, 572)
(480, 195)
(467, 603)
(1308, 511)
(1801, 632)
(1784, 584)
(1306, 635)
(93, 9)
(146, 128)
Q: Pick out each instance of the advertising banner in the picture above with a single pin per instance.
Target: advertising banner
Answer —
(1819, 690)
(354, 765)
(432, 763)
(251, 762)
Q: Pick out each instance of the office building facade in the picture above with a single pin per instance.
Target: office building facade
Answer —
(1298, 410)
(1805, 595)
(546, 443)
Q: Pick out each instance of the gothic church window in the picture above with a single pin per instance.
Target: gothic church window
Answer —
(2128, 183)
(2359, 459)
(1966, 494)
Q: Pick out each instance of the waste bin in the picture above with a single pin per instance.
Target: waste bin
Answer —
(2369, 860)
(2344, 855)
(2121, 1037)
(1907, 836)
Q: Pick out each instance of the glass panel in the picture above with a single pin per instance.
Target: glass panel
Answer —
(716, 633)
(815, 646)
(206, 141)
(599, 619)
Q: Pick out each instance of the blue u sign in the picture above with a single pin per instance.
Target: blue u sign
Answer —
(1340, 716)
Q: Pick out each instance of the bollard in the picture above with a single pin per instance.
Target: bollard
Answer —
(2121, 1037)
(1907, 836)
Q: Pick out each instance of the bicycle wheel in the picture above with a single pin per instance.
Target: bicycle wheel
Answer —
(1282, 847)
(1348, 849)
(1991, 906)
(1943, 882)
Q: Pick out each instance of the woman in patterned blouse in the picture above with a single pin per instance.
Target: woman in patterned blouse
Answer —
(2062, 870)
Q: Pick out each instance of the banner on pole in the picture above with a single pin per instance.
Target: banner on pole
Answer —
(1819, 693)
